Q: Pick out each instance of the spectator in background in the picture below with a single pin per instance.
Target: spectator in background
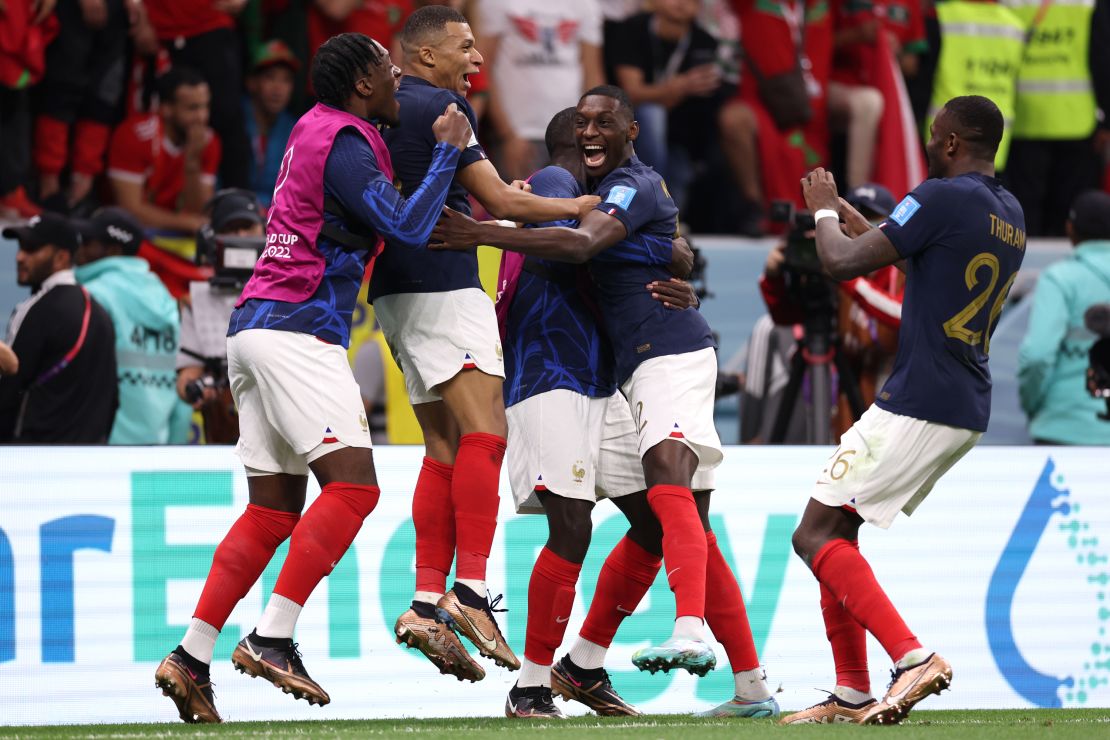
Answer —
(1052, 361)
(381, 20)
(163, 168)
(65, 389)
(1055, 153)
(981, 46)
(146, 324)
(668, 66)
(200, 34)
(265, 109)
(542, 55)
(780, 115)
(26, 27)
(77, 102)
(205, 317)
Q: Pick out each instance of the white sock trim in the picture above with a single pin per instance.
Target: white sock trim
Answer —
(587, 655)
(913, 657)
(751, 685)
(200, 640)
(279, 618)
(478, 587)
(533, 674)
(852, 696)
(428, 597)
(688, 628)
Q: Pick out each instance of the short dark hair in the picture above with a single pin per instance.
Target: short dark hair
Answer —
(339, 63)
(980, 123)
(426, 21)
(175, 78)
(617, 94)
(560, 132)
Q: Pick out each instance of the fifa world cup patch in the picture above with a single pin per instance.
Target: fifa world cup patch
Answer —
(905, 210)
(621, 195)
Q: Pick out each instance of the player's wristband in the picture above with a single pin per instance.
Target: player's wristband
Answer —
(825, 213)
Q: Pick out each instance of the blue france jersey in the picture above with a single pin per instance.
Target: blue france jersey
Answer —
(639, 326)
(411, 144)
(963, 240)
(352, 177)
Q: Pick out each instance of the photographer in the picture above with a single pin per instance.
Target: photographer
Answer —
(1053, 358)
(202, 358)
(862, 315)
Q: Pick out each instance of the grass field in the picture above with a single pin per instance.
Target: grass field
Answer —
(988, 725)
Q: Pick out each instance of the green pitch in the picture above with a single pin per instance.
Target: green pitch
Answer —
(986, 725)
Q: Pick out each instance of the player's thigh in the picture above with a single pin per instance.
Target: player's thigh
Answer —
(476, 401)
(671, 398)
(552, 446)
(888, 463)
(619, 469)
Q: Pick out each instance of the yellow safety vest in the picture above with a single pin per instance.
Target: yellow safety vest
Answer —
(980, 54)
(1054, 95)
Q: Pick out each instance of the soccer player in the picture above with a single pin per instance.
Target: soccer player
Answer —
(666, 368)
(441, 327)
(961, 236)
(559, 377)
(299, 405)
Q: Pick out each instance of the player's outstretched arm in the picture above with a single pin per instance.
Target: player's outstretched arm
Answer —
(842, 256)
(596, 232)
(506, 202)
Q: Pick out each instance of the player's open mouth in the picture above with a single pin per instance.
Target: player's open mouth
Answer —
(466, 80)
(594, 154)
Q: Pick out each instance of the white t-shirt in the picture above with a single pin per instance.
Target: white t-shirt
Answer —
(538, 70)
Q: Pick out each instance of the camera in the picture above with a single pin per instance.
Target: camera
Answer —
(195, 391)
(1097, 320)
(232, 257)
(801, 245)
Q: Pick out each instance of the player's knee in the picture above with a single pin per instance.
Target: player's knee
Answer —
(805, 543)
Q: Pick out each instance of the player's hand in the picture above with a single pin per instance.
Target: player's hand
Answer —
(521, 185)
(453, 128)
(586, 203)
(674, 294)
(94, 13)
(682, 258)
(196, 138)
(454, 231)
(819, 189)
(854, 221)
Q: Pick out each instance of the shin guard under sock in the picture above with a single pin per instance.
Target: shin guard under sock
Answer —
(684, 547)
(725, 613)
(474, 495)
(550, 600)
(433, 515)
(625, 578)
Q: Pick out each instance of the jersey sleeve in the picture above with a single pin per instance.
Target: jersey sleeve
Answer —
(474, 151)
(920, 218)
(353, 177)
(628, 200)
(129, 158)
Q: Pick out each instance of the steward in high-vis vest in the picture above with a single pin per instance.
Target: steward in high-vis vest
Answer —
(1052, 159)
(981, 45)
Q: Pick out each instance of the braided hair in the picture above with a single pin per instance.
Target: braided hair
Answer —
(339, 63)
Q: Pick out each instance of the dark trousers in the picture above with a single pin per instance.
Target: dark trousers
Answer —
(15, 139)
(215, 55)
(1046, 176)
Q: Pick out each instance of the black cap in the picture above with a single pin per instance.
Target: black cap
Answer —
(113, 225)
(234, 205)
(872, 197)
(1090, 215)
(47, 228)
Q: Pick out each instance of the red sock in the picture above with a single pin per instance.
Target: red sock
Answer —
(474, 495)
(51, 149)
(684, 547)
(240, 558)
(850, 581)
(625, 577)
(550, 599)
(849, 643)
(322, 537)
(434, 519)
(90, 142)
(725, 613)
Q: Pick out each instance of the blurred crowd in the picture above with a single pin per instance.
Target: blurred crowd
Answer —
(154, 119)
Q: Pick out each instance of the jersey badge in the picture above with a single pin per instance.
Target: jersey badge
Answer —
(621, 195)
(905, 210)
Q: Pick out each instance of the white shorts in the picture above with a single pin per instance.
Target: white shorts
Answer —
(672, 398)
(575, 447)
(435, 335)
(888, 463)
(297, 400)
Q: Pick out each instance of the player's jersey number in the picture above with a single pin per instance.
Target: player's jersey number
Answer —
(957, 326)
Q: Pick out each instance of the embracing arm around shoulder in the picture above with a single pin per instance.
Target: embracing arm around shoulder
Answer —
(506, 202)
(596, 232)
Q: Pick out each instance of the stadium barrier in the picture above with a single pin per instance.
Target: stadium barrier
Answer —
(103, 551)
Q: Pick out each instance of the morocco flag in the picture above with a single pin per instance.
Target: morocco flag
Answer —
(899, 162)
